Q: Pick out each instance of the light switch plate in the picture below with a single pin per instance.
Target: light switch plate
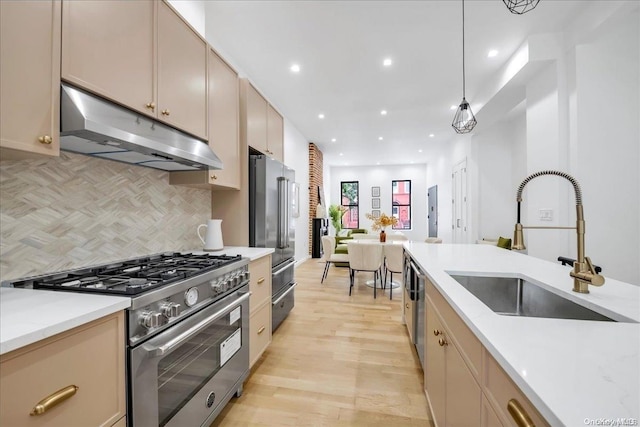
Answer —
(545, 214)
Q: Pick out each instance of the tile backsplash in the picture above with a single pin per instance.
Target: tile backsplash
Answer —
(75, 211)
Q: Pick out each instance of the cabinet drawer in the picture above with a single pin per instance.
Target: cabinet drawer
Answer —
(499, 390)
(408, 315)
(260, 281)
(469, 346)
(91, 357)
(259, 331)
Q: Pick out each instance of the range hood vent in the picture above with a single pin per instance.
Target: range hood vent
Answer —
(96, 127)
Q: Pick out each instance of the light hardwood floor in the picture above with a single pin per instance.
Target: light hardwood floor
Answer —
(335, 361)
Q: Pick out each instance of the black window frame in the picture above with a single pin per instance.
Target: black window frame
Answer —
(356, 205)
(398, 204)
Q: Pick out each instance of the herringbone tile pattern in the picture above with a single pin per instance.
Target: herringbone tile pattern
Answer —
(75, 210)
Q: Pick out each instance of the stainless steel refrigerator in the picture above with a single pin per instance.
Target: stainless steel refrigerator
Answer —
(271, 225)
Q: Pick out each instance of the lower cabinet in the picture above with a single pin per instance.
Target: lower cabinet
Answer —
(464, 384)
(81, 373)
(260, 307)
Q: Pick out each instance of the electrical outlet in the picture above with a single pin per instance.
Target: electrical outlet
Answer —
(545, 214)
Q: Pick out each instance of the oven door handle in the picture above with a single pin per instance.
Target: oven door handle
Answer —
(180, 339)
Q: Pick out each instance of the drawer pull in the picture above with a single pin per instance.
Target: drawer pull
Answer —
(437, 332)
(519, 415)
(261, 281)
(45, 139)
(54, 399)
(166, 112)
(151, 106)
(261, 330)
(442, 342)
(407, 306)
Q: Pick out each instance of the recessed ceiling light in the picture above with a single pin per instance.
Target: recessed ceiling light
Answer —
(453, 107)
(341, 154)
(321, 116)
(383, 112)
(380, 138)
(431, 135)
(419, 151)
(295, 68)
(492, 53)
(387, 62)
(333, 140)
(378, 163)
(411, 162)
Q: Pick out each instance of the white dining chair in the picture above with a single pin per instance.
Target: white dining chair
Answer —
(329, 256)
(433, 240)
(397, 238)
(365, 256)
(394, 263)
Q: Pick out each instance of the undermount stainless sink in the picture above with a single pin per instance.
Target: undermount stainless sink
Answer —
(517, 297)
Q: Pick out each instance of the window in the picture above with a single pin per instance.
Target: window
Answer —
(401, 204)
(349, 200)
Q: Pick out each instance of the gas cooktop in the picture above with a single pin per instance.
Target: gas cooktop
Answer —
(131, 277)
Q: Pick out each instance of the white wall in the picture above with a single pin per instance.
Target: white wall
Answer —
(296, 156)
(381, 176)
(193, 11)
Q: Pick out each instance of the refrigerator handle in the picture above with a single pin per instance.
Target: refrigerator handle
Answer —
(287, 213)
(282, 211)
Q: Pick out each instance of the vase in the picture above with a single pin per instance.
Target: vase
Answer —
(383, 236)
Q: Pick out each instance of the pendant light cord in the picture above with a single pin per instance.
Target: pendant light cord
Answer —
(463, 75)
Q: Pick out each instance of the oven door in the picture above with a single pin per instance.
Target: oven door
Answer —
(187, 374)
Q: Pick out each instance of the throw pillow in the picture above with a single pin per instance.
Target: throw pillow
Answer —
(505, 243)
(343, 233)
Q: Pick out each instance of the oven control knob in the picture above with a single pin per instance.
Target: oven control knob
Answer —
(170, 309)
(216, 288)
(150, 319)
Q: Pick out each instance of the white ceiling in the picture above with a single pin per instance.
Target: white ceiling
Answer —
(340, 46)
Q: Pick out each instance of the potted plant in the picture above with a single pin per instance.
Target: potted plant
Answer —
(382, 222)
(336, 212)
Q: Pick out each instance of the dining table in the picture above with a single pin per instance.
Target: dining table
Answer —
(370, 282)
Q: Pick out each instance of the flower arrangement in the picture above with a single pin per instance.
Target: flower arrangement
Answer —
(382, 222)
(336, 212)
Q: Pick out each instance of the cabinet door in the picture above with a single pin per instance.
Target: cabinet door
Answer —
(182, 74)
(275, 134)
(30, 77)
(434, 365)
(108, 48)
(260, 332)
(256, 107)
(90, 357)
(489, 417)
(463, 395)
(224, 121)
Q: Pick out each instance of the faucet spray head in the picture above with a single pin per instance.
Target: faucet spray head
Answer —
(518, 239)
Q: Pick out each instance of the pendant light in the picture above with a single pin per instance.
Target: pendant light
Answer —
(520, 6)
(464, 121)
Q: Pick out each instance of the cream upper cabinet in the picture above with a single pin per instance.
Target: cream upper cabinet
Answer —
(256, 119)
(108, 48)
(29, 78)
(85, 364)
(224, 121)
(140, 54)
(182, 74)
(275, 134)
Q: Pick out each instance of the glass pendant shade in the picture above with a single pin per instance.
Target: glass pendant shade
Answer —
(464, 121)
(520, 6)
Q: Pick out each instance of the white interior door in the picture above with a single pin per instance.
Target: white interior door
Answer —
(459, 209)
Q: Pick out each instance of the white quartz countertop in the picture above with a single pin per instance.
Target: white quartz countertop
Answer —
(28, 316)
(571, 370)
(246, 252)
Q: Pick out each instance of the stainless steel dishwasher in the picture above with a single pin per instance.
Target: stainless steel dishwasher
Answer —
(415, 282)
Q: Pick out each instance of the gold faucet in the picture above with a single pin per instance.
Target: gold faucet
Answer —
(583, 273)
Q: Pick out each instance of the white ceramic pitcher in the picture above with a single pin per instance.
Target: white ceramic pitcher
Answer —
(213, 237)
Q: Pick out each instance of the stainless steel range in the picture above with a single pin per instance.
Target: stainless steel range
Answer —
(188, 331)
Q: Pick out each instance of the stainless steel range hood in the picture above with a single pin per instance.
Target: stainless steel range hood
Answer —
(96, 127)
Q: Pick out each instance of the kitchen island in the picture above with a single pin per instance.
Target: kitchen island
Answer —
(572, 371)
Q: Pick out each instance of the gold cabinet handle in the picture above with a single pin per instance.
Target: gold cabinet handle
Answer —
(519, 414)
(261, 330)
(54, 399)
(45, 139)
(437, 332)
(442, 342)
(166, 112)
(261, 281)
(407, 306)
(151, 106)
(214, 176)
